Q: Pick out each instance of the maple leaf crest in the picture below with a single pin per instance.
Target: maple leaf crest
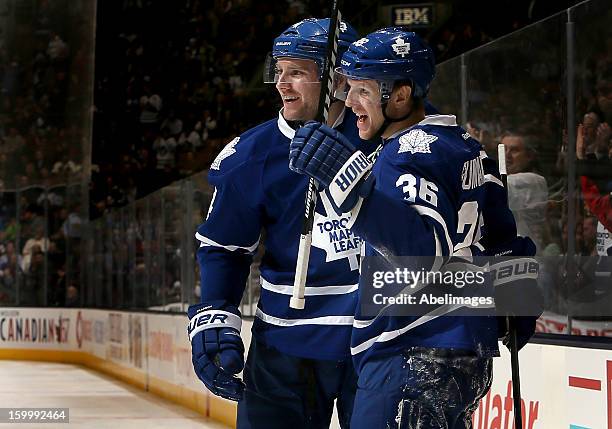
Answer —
(401, 47)
(416, 141)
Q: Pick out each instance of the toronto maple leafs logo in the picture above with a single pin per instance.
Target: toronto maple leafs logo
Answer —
(416, 141)
(361, 42)
(227, 151)
(401, 47)
(331, 234)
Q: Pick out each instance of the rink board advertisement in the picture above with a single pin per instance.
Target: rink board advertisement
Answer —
(169, 351)
(562, 387)
(37, 328)
(552, 323)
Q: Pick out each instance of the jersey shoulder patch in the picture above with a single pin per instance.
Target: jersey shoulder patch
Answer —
(416, 141)
(438, 150)
(244, 150)
(227, 151)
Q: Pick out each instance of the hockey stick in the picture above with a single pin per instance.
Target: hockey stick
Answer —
(512, 345)
(301, 270)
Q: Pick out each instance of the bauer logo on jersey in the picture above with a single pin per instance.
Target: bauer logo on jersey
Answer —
(416, 141)
(227, 151)
(401, 47)
(330, 234)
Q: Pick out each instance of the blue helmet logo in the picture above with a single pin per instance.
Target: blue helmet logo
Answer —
(391, 54)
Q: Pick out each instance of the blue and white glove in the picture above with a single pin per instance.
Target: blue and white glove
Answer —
(217, 350)
(515, 272)
(333, 161)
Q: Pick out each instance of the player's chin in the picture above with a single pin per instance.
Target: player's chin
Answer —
(364, 126)
(366, 135)
(292, 112)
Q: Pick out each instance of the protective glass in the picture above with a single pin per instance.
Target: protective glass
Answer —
(298, 71)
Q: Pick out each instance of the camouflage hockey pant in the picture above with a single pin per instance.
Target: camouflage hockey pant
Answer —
(421, 388)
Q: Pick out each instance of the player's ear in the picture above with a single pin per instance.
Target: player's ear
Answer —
(402, 95)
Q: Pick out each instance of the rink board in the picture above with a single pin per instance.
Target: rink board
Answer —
(562, 387)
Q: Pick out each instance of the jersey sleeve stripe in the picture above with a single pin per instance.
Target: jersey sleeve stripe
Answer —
(493, 179)
(325, 320)
(390, 335)
(309, 290)
(205, 241)
(426, 211)
(363, 323)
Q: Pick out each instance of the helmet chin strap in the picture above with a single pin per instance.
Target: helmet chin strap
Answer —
(388, 121)
(295, 124)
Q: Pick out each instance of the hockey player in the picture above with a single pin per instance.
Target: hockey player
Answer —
(299, 361)
(425, 194)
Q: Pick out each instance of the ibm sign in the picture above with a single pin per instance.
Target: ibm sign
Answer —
(413, 16)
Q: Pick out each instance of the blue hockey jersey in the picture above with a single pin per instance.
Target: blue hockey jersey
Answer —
(256, 191)
(430, 197)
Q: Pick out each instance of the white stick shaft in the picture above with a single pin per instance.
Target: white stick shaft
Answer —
(299, 285)
(297, 300)
(501, 156)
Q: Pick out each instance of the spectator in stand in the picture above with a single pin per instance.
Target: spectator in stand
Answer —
(36, 244)
(484, 133)
(599, 203)
(527, 190)
(7, 285)
(589, 235)
(165, 151)
(72, 296)
(603, 89)
(593, 141)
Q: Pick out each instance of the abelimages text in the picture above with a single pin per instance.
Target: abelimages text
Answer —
(431, 299)
(412, 278)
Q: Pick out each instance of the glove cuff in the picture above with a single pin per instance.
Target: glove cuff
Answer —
(207, 318)
(348, 177)
(513, 270)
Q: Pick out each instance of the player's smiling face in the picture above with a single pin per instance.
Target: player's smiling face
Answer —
(298, 85)
(364, 100)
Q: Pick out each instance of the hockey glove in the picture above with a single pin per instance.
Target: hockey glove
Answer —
(216, 347)
(515, 272)
(333, 161)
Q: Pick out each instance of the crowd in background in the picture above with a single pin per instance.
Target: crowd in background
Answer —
(522, 104)
(175, 81)
(45, 55)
